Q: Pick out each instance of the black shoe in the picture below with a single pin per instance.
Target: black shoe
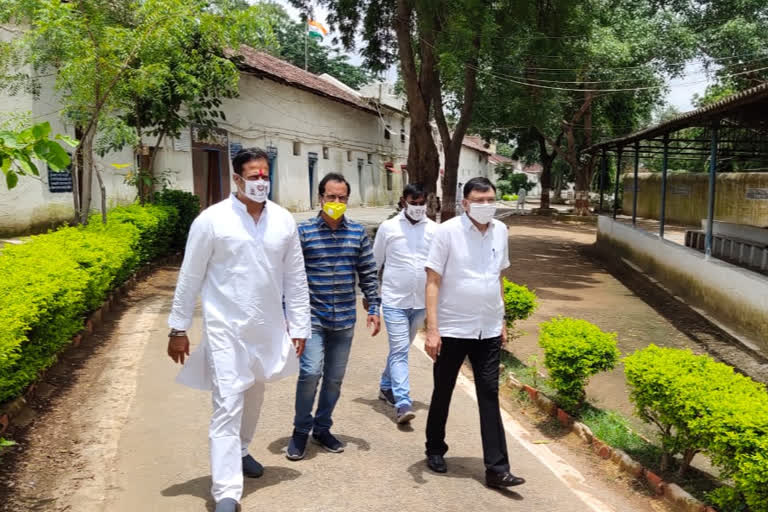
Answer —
(297, 448)
(387, 395)
(505, 479)
(227, 505)
(328, 441)
(251, 468)
(437, 463)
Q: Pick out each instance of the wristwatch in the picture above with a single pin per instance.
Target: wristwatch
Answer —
(176, 333)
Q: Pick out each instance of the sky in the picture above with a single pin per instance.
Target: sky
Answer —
(681, 90)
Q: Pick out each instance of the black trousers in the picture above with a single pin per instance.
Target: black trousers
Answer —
(484, 356)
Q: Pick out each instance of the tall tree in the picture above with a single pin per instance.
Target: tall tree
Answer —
(599, 73)
(91, 47)
(440, 47)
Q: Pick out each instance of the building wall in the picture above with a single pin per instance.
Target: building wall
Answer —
(30, 207)
(472, 164)
(265, 114)
(268, 114)
(734, 295)
(741, 198)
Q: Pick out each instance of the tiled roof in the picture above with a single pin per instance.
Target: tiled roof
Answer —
(533, 168)
(475, 142)
(720, 109)
(267, 66)
(500, 159)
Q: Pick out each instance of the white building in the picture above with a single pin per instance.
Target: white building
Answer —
(309, 125)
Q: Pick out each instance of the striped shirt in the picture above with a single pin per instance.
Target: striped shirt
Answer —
(331, 259)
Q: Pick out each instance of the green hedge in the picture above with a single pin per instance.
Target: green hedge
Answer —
(53, 280)
(701, 405)
(519, 302)
(574, 351)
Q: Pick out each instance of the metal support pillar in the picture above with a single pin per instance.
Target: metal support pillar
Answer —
(618, 178)
(664, 166)
(603, 172)
(712, 187)
(635, 184)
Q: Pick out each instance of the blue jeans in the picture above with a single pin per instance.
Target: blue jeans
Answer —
(325, 355)
(402, 325)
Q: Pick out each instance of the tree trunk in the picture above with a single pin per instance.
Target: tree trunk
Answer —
(584, 173)
(423, 158)
(581, 192)
(557, 189)
(546, 183)
(450, 180)
(547, 159)
(103, 191)
(86, 147)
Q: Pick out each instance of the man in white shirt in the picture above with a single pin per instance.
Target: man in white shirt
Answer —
(465, 318)
(521, 195)
(401, 247)
(244, 258)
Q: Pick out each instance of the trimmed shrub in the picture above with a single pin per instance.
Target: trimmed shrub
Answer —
(699, 404)
(188, 207)
(575, 350)
(519, 302)
(52, 281)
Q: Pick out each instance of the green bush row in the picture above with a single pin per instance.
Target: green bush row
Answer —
(53, 280)
(701, 405)
(574, 351)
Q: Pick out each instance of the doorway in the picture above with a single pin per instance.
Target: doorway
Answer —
(209, 181)
(312, 167)
(360, 179)
(272, 154)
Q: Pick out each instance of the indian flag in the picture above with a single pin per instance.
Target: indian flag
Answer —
(316, 30)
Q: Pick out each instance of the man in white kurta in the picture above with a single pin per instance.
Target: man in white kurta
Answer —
(244, 259)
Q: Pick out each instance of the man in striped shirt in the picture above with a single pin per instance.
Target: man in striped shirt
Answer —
(335, 249)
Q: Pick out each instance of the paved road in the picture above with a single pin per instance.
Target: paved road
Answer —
(161, 462)
(123, 437)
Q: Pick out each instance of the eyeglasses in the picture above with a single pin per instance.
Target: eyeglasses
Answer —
(333, 198)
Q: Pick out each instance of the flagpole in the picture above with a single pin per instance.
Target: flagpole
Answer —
(306, 45)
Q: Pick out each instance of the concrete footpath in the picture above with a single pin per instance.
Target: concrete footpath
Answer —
(121, 436)
(162, 461)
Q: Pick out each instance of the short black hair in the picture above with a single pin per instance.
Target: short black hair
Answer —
(414, 190)
(246, 155)
(480, 184)
(333, 176)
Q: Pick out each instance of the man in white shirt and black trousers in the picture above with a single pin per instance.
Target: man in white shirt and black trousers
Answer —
(465, 318)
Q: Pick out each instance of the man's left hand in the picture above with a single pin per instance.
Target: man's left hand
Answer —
(374, 323)
(299, 344)
(504, 332)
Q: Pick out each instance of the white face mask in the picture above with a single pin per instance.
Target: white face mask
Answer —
(257, 190)
(482, 213)
(415, 212)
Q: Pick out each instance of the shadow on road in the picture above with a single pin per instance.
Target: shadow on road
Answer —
(381, 407)
(279, 446)
(201, 487)
(459, 467)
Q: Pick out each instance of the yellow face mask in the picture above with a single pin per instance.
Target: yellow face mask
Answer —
(334, 210)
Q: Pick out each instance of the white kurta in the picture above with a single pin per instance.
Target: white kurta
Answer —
(243, 272)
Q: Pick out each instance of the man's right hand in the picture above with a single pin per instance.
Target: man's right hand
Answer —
(178, 348)
(433, 343)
